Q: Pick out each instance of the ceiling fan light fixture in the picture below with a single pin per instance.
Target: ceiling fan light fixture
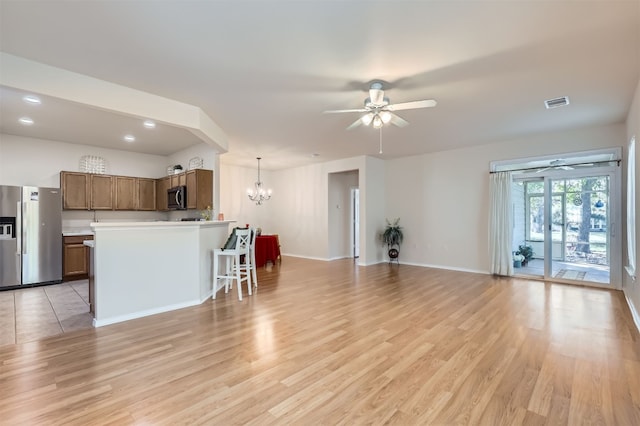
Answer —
(385, 116)
(367, 118)
(377, 122)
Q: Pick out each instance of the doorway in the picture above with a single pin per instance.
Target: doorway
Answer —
(565, 219)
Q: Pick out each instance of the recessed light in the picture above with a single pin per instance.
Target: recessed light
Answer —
(32, 99)
(26, 121)
(129, 138)
(149, 124)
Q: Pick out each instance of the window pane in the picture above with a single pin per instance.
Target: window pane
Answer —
(535, 187)
(557, 186)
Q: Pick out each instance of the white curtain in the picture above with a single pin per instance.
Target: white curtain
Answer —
(500, 224)
(631, 208)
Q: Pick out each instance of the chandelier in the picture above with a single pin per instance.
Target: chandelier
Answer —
(259, 194)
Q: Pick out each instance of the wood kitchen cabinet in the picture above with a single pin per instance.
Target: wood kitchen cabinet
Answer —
(86, 191)
(178, 180)
(101, 192)
(125, 193)
(199, 189)
(75, 257)
(162, 185)
(146, 194)
(75, 190)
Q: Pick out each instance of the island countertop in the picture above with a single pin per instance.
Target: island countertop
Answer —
(145, 268)
(161, 224)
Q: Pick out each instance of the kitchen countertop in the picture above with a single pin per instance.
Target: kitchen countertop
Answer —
(159, 224)
(71, 232)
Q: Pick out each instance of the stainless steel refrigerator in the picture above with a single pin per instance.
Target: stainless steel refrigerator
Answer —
(30, 235)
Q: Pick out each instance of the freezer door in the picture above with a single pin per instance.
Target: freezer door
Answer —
(41, 235)
(9, 253)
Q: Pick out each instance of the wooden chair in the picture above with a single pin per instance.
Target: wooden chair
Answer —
(236, 264)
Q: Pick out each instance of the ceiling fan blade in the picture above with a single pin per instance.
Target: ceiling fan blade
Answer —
(398, 121)
(355, 124)
(334, 111)
(427, 103)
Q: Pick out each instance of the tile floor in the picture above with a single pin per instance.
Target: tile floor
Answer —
(34, 313)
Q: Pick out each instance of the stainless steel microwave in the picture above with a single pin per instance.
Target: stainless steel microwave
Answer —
(177, 198)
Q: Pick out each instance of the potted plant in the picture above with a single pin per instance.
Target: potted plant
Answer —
(517, 259)
(527, 252)
(392, 237)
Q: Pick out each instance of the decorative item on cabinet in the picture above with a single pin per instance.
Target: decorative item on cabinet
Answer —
(196, 163)
(93, 164)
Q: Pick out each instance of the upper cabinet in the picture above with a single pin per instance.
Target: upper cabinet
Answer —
(199, 189)
(125, 191)
(75, 190)
(88, 191)
(146, 194)
(101, 194)
(162, 185)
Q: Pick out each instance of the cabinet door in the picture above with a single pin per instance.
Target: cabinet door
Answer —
(75, 190)
(192, 189)
(199, 189)
(101, 192)
(125, 193)
(162, 185)
(75, 258)
(146, 194)
(178, 180)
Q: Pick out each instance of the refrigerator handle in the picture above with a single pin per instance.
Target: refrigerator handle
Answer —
(23, 229)
(20, 227)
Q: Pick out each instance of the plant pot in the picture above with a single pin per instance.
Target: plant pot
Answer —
(393, 253)
(517, 263)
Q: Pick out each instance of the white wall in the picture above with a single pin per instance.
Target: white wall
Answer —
(632, 288)
(38, 162)
(234, 203)
(443, 206)
(298, 210)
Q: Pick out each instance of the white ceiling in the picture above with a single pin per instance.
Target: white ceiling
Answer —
(265, 71)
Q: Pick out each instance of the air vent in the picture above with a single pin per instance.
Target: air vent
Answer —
(557, 102)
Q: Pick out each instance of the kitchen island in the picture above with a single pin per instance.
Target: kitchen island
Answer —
(144, 268)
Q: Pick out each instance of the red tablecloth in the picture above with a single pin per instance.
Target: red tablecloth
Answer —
(267, 249)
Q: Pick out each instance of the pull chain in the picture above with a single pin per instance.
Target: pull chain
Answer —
(380, 140)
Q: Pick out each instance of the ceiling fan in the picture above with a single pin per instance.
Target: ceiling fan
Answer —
(378, 111)
(562, 165)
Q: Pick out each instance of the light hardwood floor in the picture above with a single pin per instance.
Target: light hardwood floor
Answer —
(333, 343)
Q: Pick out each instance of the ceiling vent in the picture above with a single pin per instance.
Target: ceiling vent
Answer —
(557, 102)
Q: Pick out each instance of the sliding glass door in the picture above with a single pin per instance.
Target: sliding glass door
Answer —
(564, 220)
(579, 229)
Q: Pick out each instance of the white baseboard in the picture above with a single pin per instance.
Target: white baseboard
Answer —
(634, 313)
(306, 257)
(448, 268)
(145, 313)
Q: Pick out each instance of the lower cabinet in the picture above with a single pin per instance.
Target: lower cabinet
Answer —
(75, 257)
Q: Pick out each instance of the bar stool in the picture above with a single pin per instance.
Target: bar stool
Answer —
(234, 268)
